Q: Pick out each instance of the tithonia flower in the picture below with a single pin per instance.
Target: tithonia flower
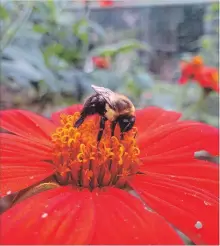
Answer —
(101, 62)
(139, 190)
(106, 3)
(204, 75)
(102, 3)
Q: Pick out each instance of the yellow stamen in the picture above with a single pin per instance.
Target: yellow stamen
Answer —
(87, 164)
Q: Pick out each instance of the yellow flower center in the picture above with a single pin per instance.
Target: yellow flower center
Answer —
(81, 161)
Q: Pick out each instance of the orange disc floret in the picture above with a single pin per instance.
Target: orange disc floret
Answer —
(81, 161)
(197, 61)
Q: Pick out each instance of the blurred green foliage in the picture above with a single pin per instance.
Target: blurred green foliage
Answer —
(210, 42)
(48, 50)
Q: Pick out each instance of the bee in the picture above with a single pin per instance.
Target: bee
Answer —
(116, 108)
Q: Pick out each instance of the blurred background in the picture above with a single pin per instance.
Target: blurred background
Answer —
(52, 51)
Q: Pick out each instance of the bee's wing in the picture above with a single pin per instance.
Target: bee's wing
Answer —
(107, 94)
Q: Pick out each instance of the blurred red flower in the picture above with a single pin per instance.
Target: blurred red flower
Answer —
(92, 201)
(102, 3)
(206, 76)
(101, 62)
(106, 3)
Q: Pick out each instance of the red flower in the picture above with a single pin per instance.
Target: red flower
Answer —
(206, 76)
(102, 3)
(92, 201)
(101, 62)
(106, 3)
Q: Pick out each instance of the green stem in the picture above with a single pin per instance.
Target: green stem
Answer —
(182, 96)
(87, 17)
(9, 34)
(195, 108)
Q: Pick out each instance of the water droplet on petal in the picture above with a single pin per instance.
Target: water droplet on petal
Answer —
(148, 209)
(44, 215)
(198, 225)
(8, 192)
(31, 177)
(207, 203)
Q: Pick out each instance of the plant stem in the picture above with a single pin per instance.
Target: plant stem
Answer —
(11, 31)
(182, 96)
(197, 107)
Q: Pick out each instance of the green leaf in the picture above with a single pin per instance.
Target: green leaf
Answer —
(39, 28)
(215, 7)
(120, 47)
(80, 30)
(52, 8)
(208, 17)
(76, 26)
(71, 55)
(52, 50)
(3, 13)
(128, 46)
(205, 43)
(133, 88)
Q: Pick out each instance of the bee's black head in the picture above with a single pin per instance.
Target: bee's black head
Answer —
(126, 122)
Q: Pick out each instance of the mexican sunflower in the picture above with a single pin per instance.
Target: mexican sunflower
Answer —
(106, 3)
(101, 62)
(138, 190)
(102, 3)
(204, 75)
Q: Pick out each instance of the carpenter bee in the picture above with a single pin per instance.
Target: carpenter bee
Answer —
(116, 108)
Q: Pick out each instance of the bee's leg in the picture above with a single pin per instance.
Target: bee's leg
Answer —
(101, 128)
(124, 130)
(113, 125)
(79, 121)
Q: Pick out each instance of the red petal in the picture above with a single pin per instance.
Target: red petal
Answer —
(196, 173)
(69, 110)
(183, 79)
(18, 176)
(190, 210)
(178, 141)
(27, 124)
(153, 117)
(67, 216)
(58, 216)
(22, 163)
(122, 219)
(14, 147)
